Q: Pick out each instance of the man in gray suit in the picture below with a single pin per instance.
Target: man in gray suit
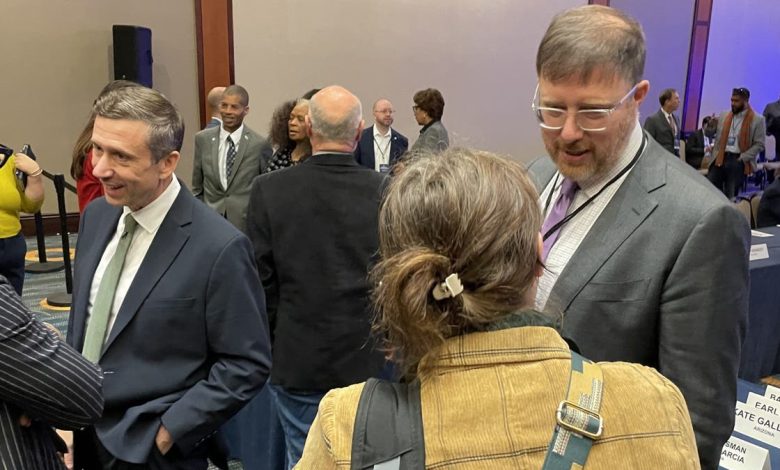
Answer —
(228, 158)
(646, 262)
(738, 141)
(664, 126)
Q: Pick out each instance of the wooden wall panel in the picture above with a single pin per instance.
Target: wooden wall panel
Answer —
(214, 31)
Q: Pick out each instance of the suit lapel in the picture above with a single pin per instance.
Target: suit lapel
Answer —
(629, 207)
(105, 227)
(214, 155)
(368, 146)
(395, 152)
(168, 242)
(246, 140)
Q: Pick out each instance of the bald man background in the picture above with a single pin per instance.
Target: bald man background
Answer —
(213, 99)
(323, 217)
(380, 146)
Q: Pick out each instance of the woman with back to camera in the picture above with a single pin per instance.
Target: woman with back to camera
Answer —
(454, 299)
(428, 109)
(288, 135)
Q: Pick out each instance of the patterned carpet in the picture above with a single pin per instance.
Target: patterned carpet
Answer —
(38, 287)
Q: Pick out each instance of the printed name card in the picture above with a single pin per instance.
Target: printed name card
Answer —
(773, 393)
(757, 424)
(759, 252)
(738, 454)
(762, 403)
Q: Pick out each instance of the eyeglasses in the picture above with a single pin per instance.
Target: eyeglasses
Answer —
(589, 120)
(415, 108)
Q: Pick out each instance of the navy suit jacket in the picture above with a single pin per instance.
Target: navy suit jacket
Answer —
(190, 344)
(364, 152)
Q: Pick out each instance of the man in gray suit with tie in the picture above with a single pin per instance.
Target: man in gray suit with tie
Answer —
(166, 298)
(228, 158)
(664, 126)
(645, 260)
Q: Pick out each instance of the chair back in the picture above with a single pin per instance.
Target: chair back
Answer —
(754, 201)
(743, 205)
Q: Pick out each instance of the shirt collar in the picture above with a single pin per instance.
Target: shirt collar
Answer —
(667, 115)
(151, 216)
(379, 134)
(593, 185)
(235, 135)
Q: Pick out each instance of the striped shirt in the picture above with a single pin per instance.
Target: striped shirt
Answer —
(575, 230)
(43, 378)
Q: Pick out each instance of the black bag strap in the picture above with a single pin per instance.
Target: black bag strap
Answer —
(388, 430)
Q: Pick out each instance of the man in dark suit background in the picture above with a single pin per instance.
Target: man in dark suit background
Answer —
(314, 230)
(228, 158)
(772, 117)
(213, 99)
(380, 146)
(699, 144)
(166, 298)
(664, 126)
(40, 377)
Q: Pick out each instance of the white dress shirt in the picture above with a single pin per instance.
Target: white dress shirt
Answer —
(223, 147)
(574, 231)
(381, 148)
(149, 220)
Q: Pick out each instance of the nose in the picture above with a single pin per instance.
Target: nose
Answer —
(571, 131)
(100, 167)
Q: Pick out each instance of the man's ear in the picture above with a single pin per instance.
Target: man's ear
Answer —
(168, 164)
(642, 89)
(307, 122)
(360, 130)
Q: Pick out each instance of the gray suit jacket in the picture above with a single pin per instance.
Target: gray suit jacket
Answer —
(252, 158)
(43, 378)
(433, 139)
(661, 279)
(757, 139)
(659, 129)
(190, 344)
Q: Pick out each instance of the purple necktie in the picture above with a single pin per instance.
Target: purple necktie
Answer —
(558, 212)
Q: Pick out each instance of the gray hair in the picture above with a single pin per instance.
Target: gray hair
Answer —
(138, 103)
(333, 127)
(582, 40)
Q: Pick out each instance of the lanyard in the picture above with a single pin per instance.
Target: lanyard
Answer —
(592, 198)
(382, 153)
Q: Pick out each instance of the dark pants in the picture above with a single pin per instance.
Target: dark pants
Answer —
(728, 177)
(89, 454)
(12, 252)
(296, 413)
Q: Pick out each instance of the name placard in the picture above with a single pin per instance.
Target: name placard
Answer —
(757, 424)
(738, 454)
(773, 393)
(764, 404)
(759, 252)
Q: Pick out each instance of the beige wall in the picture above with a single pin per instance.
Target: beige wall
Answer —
(480, 54)
(56, 57)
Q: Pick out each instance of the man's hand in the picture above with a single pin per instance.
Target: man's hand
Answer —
(164, 440)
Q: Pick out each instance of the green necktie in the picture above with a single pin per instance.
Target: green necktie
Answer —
(104, 300)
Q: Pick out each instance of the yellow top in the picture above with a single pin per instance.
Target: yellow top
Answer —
(489, 401)
(12, 200)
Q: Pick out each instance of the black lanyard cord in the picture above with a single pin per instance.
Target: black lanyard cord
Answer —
(570, 216)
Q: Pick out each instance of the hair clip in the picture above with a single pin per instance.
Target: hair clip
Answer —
(451, 287)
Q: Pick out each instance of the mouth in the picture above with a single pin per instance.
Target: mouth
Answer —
(574, 155)
(112, 188)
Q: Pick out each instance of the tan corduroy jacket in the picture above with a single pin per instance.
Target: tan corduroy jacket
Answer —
(489, 401)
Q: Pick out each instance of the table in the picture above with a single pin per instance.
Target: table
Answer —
(761, 348)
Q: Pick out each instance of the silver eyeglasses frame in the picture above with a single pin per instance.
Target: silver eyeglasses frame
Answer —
(594, 114)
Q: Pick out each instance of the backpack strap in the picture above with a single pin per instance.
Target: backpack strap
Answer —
(388, 431)
(578, 420)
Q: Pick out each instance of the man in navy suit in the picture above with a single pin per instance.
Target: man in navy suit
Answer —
(380, 146)
(166, 298)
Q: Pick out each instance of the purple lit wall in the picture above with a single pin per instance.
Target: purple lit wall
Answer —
(667, 26)
(744, 50)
